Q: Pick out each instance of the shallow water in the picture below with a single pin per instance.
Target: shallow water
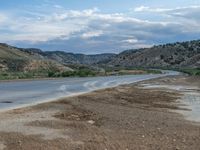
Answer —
(190, 100)
(23, 93)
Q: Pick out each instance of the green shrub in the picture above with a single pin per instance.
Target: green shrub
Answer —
(78, 73)
(67, 74)
(195, 71)
(51, 74)
(198, 73)
(154, 71)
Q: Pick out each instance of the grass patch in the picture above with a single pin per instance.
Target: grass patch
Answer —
(21, 75)
(194, 72)
(76, 73)
(79, 72)
(130, 71)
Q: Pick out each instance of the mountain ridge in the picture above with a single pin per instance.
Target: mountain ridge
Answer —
(172, 55)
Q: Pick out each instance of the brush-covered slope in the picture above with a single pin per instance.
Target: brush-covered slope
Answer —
(177, 55)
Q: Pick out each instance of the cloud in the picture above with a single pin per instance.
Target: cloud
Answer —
(131, 41)
(141, 8)
(188, 12)
(72, 14)
(93, 31)
(58, 6)
(187, 17)
(3, 18)
(91, 34)
(149, 9)
(41, 28)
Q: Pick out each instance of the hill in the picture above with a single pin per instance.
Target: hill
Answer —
(71, 58)
(176, 55)
(13, 59)
(182, 55)
(27, 63)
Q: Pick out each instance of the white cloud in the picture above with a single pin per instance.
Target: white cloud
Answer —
(94, 29)
(3, 18)
(43, 27)
(91, 34)
(149, 9)
(136, 46)
(75, 14)
(141, 8)
(131, 41)
(58, 6)
(187, 17)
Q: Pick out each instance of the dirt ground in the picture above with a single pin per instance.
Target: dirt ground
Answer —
(127, 117)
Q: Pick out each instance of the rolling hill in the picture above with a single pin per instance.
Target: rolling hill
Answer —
(71, 58)
(21, 63)
(176, 55)
(17, 60)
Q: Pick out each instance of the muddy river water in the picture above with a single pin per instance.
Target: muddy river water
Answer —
(17, 94)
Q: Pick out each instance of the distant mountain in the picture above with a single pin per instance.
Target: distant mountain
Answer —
(30, 59)
(71, 58)
(176, 55)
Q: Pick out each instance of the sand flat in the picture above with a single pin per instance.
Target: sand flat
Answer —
(124, 117)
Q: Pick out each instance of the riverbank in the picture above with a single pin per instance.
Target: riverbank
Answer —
(28, 76)
(136, 116)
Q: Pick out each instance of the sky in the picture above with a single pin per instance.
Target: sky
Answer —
(97, 26)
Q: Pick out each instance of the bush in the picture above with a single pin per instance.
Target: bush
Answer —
(67, 74)
(5, 74)
(79, 73)
(154, 71)
(51, 74)
(198, 73)
(195, 71)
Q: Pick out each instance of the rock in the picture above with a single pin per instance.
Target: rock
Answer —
(91, 121)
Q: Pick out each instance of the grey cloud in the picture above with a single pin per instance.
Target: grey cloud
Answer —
(91, 31)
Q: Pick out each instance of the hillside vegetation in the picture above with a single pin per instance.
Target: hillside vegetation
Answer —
(15, 64)
(177, 55)
(20, 63)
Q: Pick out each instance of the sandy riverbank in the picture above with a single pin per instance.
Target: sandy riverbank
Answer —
(125, 117)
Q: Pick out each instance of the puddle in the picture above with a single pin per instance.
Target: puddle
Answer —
(190, 101)
(171, 87)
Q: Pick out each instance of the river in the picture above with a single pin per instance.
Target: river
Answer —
(17, 94)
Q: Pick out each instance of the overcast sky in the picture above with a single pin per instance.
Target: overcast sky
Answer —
(97, 26)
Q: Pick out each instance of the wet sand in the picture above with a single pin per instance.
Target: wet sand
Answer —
(127, 117)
